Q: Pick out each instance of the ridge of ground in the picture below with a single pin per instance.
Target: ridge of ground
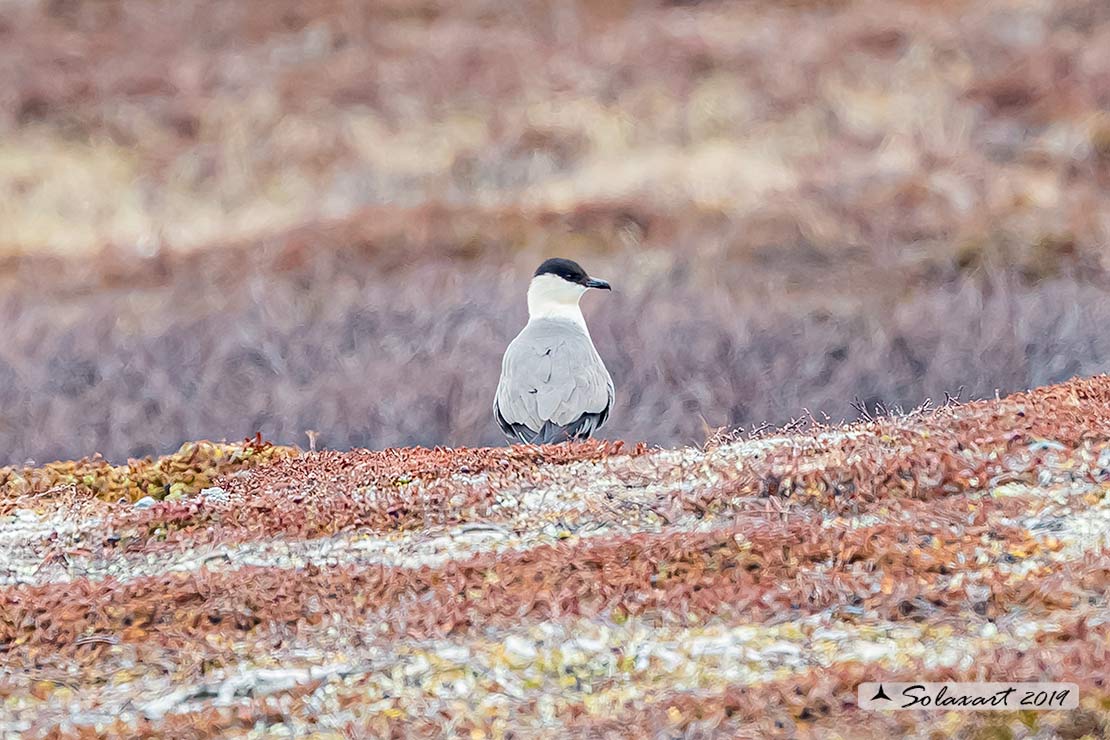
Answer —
(588, 589)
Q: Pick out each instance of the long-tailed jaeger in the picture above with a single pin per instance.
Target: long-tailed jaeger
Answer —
(554, 386)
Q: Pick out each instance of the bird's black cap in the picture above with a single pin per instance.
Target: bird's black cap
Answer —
(568, 270)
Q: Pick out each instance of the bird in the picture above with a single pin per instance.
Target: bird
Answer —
(554, 386)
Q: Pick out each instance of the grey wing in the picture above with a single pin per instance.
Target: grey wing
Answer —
(553, 383)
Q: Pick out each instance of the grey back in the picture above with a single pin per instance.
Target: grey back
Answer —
(553, 383)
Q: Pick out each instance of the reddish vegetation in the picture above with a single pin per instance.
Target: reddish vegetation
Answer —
(332, 484)
(333, 472)
(739, 572)
(931, 523)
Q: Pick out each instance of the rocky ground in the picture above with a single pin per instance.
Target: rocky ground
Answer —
(590, 590)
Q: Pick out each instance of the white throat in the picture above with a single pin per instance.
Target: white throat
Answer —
(551, 297)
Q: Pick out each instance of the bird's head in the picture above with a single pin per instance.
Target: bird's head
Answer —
(556, 287)
(563, 278)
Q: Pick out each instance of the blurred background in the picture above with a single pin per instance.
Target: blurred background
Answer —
(218, 218)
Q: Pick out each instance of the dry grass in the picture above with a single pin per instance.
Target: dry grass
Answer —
(832, 123)
(186, 472)
(369, 355)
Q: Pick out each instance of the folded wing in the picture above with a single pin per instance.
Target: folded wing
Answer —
(553, 386)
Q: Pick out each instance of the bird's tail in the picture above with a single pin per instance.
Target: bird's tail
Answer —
(552, 433)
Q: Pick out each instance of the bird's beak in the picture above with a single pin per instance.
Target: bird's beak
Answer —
(595, 283)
